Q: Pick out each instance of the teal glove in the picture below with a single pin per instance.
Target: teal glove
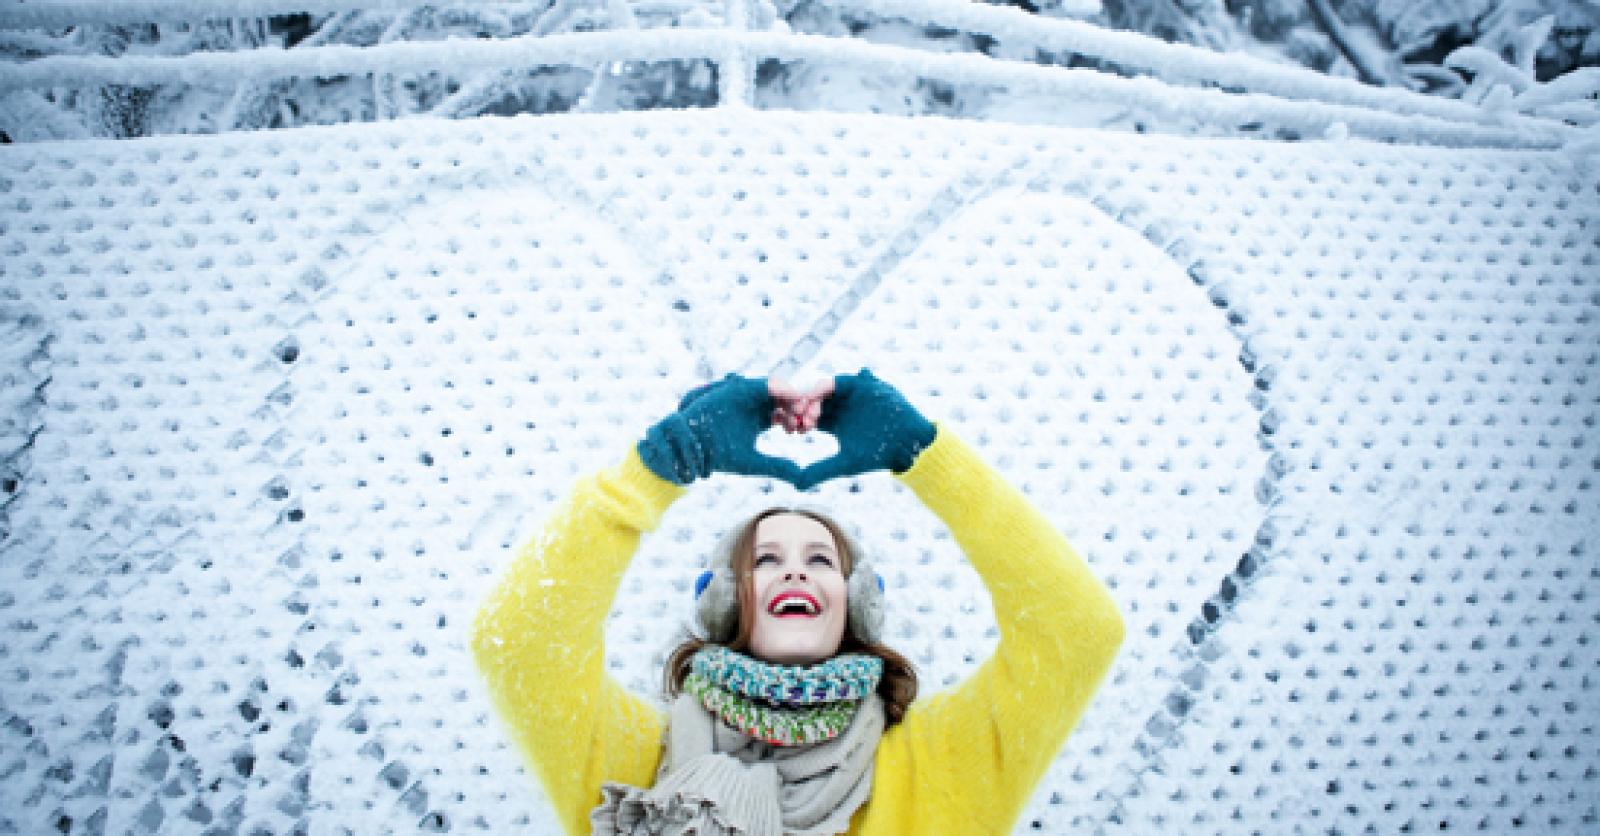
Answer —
(714, 431)
(877, 429)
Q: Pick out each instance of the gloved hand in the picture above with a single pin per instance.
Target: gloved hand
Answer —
(877, 429)
(714, 431)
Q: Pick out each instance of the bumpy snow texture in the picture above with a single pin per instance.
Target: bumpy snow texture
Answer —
(279, 405)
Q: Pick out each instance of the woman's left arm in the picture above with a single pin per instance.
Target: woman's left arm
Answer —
(981, 747)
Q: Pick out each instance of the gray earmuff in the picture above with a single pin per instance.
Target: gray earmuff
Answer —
(717, 591)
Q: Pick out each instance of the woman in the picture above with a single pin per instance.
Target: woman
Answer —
(734, 755)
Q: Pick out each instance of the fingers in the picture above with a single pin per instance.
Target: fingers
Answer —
(813, 412)
(795, 416)
(788, 410)
(804, 414)
(810, 411)
(796, 411)
(782, 418)
(780, 390)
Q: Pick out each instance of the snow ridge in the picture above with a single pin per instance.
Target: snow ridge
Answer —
(944, 207)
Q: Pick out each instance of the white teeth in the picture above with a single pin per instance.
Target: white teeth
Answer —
(789, 605)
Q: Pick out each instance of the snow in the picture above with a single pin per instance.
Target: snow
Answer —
(279, 406)
(696, 33)
(1209, 106)
(1173, 63)
(56, 13)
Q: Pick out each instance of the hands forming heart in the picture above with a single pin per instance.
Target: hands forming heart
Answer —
(797, 411)
(877, 429)
(716, 425)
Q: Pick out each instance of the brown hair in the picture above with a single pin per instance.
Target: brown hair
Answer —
(898, 687)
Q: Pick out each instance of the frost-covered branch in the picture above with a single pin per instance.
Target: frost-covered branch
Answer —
(60, 13)
(1577, 86)
(1370, 67)
(257, 103)
(1488, 71)
(25, 116)
(494, 70)
(1178, 63)
(27, 46)
(1173, 62)
(476, 94)
(593, 49)
(1501, 86)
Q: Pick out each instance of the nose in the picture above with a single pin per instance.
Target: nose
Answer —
(790, 575)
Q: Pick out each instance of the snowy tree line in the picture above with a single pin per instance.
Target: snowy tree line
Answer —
(1480, 51)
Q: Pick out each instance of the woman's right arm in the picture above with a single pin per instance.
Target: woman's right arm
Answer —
(539, 641)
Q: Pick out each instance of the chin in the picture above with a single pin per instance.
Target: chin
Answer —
(795, 655)
(795, 644)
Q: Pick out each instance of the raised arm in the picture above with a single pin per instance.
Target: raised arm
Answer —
(539, 641)
(966, 760)
(1059, 633)
(539, 638)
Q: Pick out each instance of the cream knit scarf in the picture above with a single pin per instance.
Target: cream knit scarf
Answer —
(718, 779)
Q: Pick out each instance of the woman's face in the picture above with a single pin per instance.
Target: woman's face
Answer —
(799, 584)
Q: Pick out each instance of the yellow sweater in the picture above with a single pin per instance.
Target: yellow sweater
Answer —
(963, 761)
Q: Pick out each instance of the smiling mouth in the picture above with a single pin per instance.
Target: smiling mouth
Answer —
(794, 605)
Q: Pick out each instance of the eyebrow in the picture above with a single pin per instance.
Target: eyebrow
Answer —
(812, 545)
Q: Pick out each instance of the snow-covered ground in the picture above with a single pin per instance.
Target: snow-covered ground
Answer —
(1322, 414)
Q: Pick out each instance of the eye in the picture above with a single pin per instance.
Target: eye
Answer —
(819, 556)
(762, 558)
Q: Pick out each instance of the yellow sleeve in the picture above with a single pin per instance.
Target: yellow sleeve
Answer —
(540, 642)
(967, 760)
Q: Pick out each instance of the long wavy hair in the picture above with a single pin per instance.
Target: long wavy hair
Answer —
(898, 687)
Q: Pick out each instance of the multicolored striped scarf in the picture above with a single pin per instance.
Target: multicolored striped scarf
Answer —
(783, 705)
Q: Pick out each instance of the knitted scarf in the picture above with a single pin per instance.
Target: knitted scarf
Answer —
(758, 749)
